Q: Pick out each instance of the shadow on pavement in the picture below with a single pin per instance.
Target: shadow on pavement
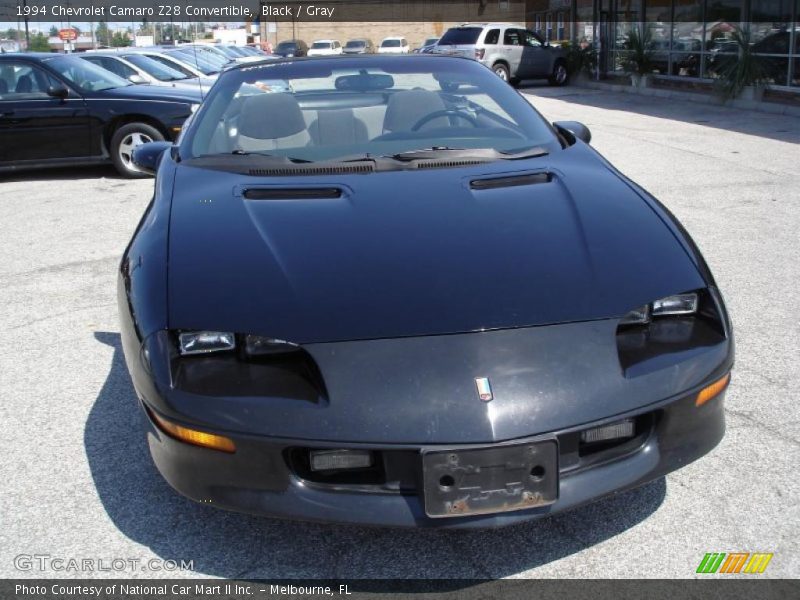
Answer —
(62, 174)
(776, 127)
(146, 510)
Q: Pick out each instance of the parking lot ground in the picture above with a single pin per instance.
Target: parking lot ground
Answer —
(76, 480)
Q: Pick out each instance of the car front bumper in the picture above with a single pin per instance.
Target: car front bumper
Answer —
(258, 479)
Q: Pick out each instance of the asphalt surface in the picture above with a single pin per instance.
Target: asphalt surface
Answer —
(76, 480)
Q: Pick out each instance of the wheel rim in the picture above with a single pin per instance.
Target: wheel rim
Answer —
(561, 74)
(501, 73)
(127, 146)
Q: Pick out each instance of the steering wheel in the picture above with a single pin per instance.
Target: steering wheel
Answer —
(446, 112)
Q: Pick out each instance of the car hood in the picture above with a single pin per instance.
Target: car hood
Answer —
(184, 94)
(418, 252)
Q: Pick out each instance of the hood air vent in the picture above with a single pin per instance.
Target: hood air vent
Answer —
(310, 170)
(292, 193)
(444, 164)
(515, 180)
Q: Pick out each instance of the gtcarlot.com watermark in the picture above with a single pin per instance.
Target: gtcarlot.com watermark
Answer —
(71, 564)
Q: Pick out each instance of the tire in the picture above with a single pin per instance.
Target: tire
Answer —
(501, 71)
(560, 76)
(124, 140)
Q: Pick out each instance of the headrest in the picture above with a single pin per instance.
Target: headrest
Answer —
(406, 108)
(271, 116)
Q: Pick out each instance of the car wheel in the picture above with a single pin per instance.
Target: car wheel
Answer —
(501, 71)
(123, 142)
(560, 75)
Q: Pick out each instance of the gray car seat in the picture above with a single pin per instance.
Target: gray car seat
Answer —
(24, 85)
(270, 121)
(341, 126)
(405, 109)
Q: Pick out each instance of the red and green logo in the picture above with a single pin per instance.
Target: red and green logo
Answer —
(734, 562)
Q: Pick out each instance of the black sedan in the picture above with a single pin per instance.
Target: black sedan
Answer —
(384, 290)
(58, 110)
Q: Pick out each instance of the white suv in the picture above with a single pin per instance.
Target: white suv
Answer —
(393, 45)
(510, 50)
(325, 48)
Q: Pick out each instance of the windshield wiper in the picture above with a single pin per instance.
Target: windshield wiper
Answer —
(437, 152)
(277, 157)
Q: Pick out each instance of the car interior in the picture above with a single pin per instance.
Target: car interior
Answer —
(345, 118)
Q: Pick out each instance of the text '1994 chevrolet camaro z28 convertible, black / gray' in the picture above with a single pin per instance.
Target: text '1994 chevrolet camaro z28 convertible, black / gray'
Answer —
(384, 290)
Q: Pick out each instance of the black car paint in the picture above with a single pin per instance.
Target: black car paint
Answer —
(423, 299)
(76, 129)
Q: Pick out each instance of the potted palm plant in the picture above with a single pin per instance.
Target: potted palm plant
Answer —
(742, 75)
(581, 60)
(638, 56)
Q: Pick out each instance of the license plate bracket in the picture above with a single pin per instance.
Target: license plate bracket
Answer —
(489, 479)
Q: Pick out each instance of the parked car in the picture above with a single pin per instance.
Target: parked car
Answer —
(207, 63)
(325, 48)
(360, 46)
(291, 48)
(375, 301)
(173, 61)
(427, 46)
(393, 45)
(512, 52)
(140, 69)
(58, 110)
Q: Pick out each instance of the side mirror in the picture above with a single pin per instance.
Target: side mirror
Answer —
(57, 91)
(137, 79)
(146, 156)
(574, 129)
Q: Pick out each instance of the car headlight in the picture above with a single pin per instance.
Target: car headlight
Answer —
(203, 342)
(679, 304)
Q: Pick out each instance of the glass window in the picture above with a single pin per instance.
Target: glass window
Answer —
(457, 36)
(172, 65)
(401, 110)
(512, 37)
(21, 81)
(154, 68)
(531, 39)
(85, 75)
(111, 64)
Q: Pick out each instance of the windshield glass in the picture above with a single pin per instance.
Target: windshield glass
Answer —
(332, 109)
(321, 45)
(85, 75)
(460, 35)
(355, 44)
(286, 47)
(390, 44)
(235, 50)
(154, 68)
(430, 41)
(199, 60)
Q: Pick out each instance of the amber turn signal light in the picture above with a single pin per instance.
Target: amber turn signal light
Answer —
(194, 437)
(713, 390)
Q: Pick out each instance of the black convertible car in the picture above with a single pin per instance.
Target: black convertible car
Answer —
(385, 290)
(58, 110)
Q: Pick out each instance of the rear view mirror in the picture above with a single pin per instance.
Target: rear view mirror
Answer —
(57, 91)
(146, 156)
(364, 82)
(574, 129)
(137, 79)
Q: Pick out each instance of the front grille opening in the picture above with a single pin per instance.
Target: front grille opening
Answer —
(299, 460)
(641, 426)
(392, 471)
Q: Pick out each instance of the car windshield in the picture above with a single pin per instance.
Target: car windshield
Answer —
(154, 68)
(235, 50)
(85, 75)
(321, 45)
(356, 44)
(337, 109)
(199, 60)
(430, 41)
(286, 47)
(390, 44)
(460, 35)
